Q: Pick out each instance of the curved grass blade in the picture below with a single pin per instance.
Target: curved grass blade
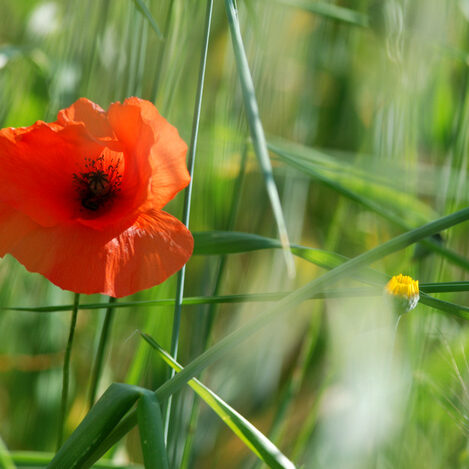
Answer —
(401, 202)
(6, 460)
(97, 424)
(235, 338)
(151, 429)
(229, 242)
(253, 438)
(140, 4)
(256, 129)
(460, 311)
(330, 11)
(362, 180)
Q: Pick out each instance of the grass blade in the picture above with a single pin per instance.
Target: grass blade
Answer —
(100, 352)
(66, 371)
(151, 428)
(256, 129)
(140, 4)
(402, 203)
(253, 438)
(98, 423)
(330, 11)
(6, 460)
(188, 195)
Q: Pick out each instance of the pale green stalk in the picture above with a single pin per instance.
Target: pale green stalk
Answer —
(188, 196)
(66, 371)
(101, 351)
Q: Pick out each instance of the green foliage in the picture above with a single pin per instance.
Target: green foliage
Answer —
(365, 108)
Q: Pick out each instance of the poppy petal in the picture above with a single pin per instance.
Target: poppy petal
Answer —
(141, 128)
(14, 225)
(36, 169)
(84, 260)
(91, 115)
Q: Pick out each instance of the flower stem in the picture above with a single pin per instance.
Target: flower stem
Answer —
(187, 201)
(66, 370)
(100, 352)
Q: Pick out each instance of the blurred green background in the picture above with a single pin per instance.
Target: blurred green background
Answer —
(369, 101)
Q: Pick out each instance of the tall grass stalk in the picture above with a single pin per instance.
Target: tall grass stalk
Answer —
(66, 371)
(188, 196)
(101, 351)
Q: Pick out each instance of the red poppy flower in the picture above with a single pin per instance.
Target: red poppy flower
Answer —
(81, 198)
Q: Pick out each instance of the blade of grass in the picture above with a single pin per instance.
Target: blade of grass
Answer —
(330, 11)
(151, 429)
(275, 296)
(66, 371)
(6, 460)
(369, 204)
(188, 194)
(235, 338)
(140, 4)
(100, 352)
(256, 129)
(251, 436)
(99, 421)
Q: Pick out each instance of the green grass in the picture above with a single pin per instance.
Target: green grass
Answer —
(327, 138)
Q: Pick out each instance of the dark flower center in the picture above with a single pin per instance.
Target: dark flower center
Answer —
(98, 184)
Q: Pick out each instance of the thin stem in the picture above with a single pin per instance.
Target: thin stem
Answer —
(66, 370)
(187, 199)
(100, 352)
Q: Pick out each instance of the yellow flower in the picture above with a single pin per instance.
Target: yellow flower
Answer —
(405, 290)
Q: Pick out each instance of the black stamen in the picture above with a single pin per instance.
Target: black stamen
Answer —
(98, 185)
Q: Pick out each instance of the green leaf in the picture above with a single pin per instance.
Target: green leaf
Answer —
(151, 428)
(140, 4)
(331, 11)
(229, 242)
(255, 126)
(6, 461)
(460, 311)
(250, 435)
(393, 205)
(97, 424)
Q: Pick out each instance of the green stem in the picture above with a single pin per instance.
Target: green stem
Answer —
(66, 370)
(256, 130)
(187, 200)
(99, 359)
